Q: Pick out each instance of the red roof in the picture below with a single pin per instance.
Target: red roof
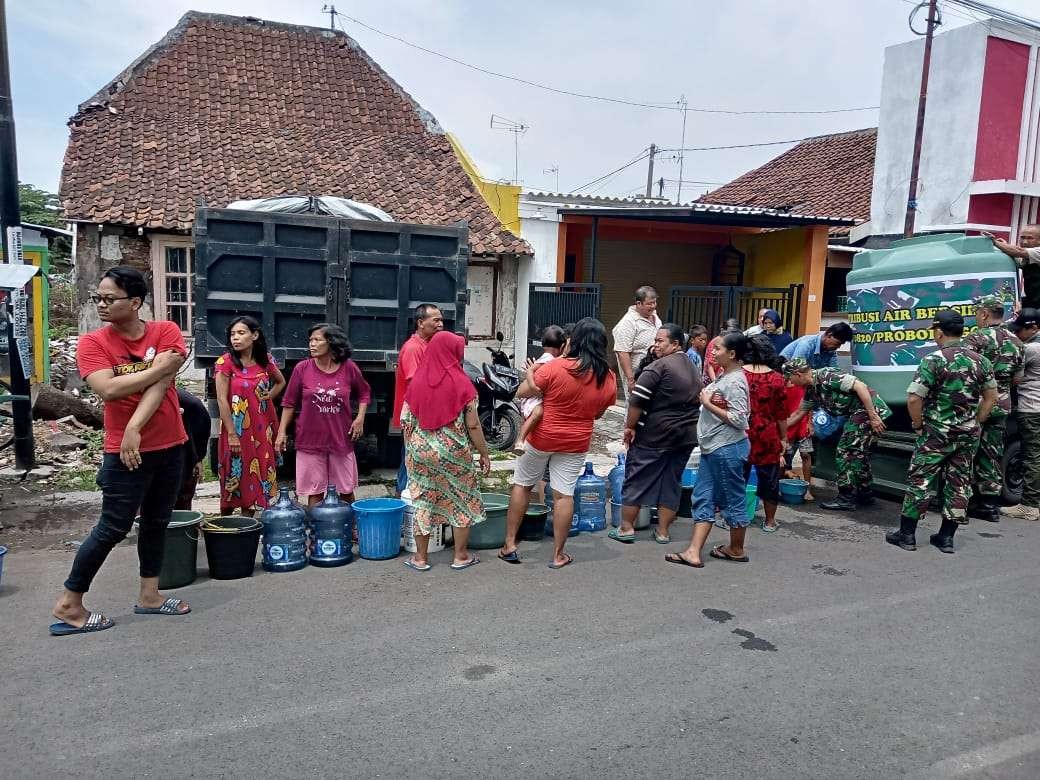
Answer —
(828, 174)
(226, 108)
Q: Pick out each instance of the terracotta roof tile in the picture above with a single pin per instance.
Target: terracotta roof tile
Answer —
(227, 108)
(828, 174)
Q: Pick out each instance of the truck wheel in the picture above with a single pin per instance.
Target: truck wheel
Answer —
(501, 436)
(1014, 474)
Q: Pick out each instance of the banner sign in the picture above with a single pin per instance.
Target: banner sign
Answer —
(893, 319)
(20, 304)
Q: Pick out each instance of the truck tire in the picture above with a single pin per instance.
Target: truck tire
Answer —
(503, 435)
(1014, 475)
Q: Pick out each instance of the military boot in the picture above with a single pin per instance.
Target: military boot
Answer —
(904, 537)
(865, 496)
(944, 539)
(845, 502)
(984, 508)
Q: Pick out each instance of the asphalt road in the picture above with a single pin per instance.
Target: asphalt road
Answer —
(830, 655)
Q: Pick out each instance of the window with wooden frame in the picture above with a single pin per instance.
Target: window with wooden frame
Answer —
(173, 268)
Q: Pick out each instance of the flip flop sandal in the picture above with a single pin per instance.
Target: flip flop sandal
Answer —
(513, 557)
(169, 607)
(95, 622)
(411, 564)
(660, 539)
(676, 558)
(722, 555)
(770, 529)
(617, 536)
(471, 562)
(567, 562)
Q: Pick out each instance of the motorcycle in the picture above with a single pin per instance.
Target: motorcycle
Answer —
(496, 384)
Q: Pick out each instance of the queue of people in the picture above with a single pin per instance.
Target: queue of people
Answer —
(744, 400)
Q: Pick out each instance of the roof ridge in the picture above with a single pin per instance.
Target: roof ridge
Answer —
(835, 135)
(101, 98)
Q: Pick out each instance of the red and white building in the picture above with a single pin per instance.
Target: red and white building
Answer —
(980, 161)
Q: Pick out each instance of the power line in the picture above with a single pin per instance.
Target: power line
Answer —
(642, 156)
(738, 146)
(668, 106)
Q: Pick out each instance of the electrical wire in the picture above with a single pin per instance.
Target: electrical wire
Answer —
(669, 106)
(738, 146)
(642, 156)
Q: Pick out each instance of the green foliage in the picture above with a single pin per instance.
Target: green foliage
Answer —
(83, 477)
(39, 207)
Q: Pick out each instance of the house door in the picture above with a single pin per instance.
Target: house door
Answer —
(552, 303)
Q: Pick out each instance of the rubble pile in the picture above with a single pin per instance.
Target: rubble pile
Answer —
(64, 449)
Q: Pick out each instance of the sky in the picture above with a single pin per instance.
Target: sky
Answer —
(744, 55)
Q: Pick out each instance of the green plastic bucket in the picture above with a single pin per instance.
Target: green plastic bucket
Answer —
(492, 532)
(751, 494)
(180, 550)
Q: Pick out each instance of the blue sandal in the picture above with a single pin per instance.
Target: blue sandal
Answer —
(411, 564)
(473, 561)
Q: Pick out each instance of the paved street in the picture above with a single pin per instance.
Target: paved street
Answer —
(829, 655)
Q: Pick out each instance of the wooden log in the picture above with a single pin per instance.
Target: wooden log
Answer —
(50, 403)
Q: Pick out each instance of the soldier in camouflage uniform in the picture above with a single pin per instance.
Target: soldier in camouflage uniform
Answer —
(1004, 350)
(842, 395)
(952, 392)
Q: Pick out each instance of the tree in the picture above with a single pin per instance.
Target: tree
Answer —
(39, 207)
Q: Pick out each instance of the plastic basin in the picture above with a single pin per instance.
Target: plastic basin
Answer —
(492, 532)
(792, 491)
(379, 527)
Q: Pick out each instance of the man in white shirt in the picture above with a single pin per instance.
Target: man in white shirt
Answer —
(635, 333)
(1028, 250)
(754, 330)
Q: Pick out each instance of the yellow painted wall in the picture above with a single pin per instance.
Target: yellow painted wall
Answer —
(502, 199)
(774, 259)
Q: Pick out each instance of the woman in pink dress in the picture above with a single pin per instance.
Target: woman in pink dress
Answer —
(248, 384)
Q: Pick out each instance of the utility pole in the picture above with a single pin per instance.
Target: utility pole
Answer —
(650, 172)
(915, 163)
(331, 11)
(11, 244)
(682, 149)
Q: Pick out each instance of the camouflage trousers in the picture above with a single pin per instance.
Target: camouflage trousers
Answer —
(853, 454)
(989, 480)
(945, 455)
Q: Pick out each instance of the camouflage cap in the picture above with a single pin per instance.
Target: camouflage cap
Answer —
(947, 318)
(795, 366)
(990, 302)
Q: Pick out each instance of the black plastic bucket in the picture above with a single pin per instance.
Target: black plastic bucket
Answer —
(231, 545)
(532, 529)
(182, 544)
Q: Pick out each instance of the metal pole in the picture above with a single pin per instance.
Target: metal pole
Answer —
(915, 163)
(650, 172)
(682, 150)
(10, 218)
(592, 250)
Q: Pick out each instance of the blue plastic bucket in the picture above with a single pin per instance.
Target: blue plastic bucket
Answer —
(3, 552)
(689, 478)
(792, 491)
(379, 527)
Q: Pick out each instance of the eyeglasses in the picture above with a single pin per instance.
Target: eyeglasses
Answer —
(108, 300)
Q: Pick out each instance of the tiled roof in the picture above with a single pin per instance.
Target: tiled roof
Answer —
(227, 108)
(828, 174)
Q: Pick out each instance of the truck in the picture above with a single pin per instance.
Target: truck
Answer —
(292, 271)
(892, 297)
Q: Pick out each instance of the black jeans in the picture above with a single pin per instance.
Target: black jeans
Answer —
(153, 488)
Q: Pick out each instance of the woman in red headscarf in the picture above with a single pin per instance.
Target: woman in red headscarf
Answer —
(441, 431)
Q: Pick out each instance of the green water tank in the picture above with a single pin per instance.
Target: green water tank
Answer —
(893, 294)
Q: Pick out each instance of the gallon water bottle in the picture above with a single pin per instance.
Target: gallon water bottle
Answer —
(332, 531)
(616, 478)
(590, 501)
(285, 534)
(549, 518)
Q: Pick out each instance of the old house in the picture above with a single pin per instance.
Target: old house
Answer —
(226, 108)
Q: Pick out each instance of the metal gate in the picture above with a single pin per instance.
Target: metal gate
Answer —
(712, 305)
(551, 303)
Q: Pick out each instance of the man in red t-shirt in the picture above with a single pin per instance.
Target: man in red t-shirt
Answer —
(131, 365)
(428, 320)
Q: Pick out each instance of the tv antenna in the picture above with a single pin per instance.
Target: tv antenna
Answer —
(332, 12)
(517, 129)
(555, 171)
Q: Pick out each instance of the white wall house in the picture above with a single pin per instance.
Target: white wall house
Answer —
(980, 160)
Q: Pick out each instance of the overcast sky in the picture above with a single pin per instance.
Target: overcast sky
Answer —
(742, 55)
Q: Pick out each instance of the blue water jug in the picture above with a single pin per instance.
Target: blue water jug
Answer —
(590, 501)
(549, 518)
(332, 531)
(616, 478)
(752, 479)
(285, 534)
